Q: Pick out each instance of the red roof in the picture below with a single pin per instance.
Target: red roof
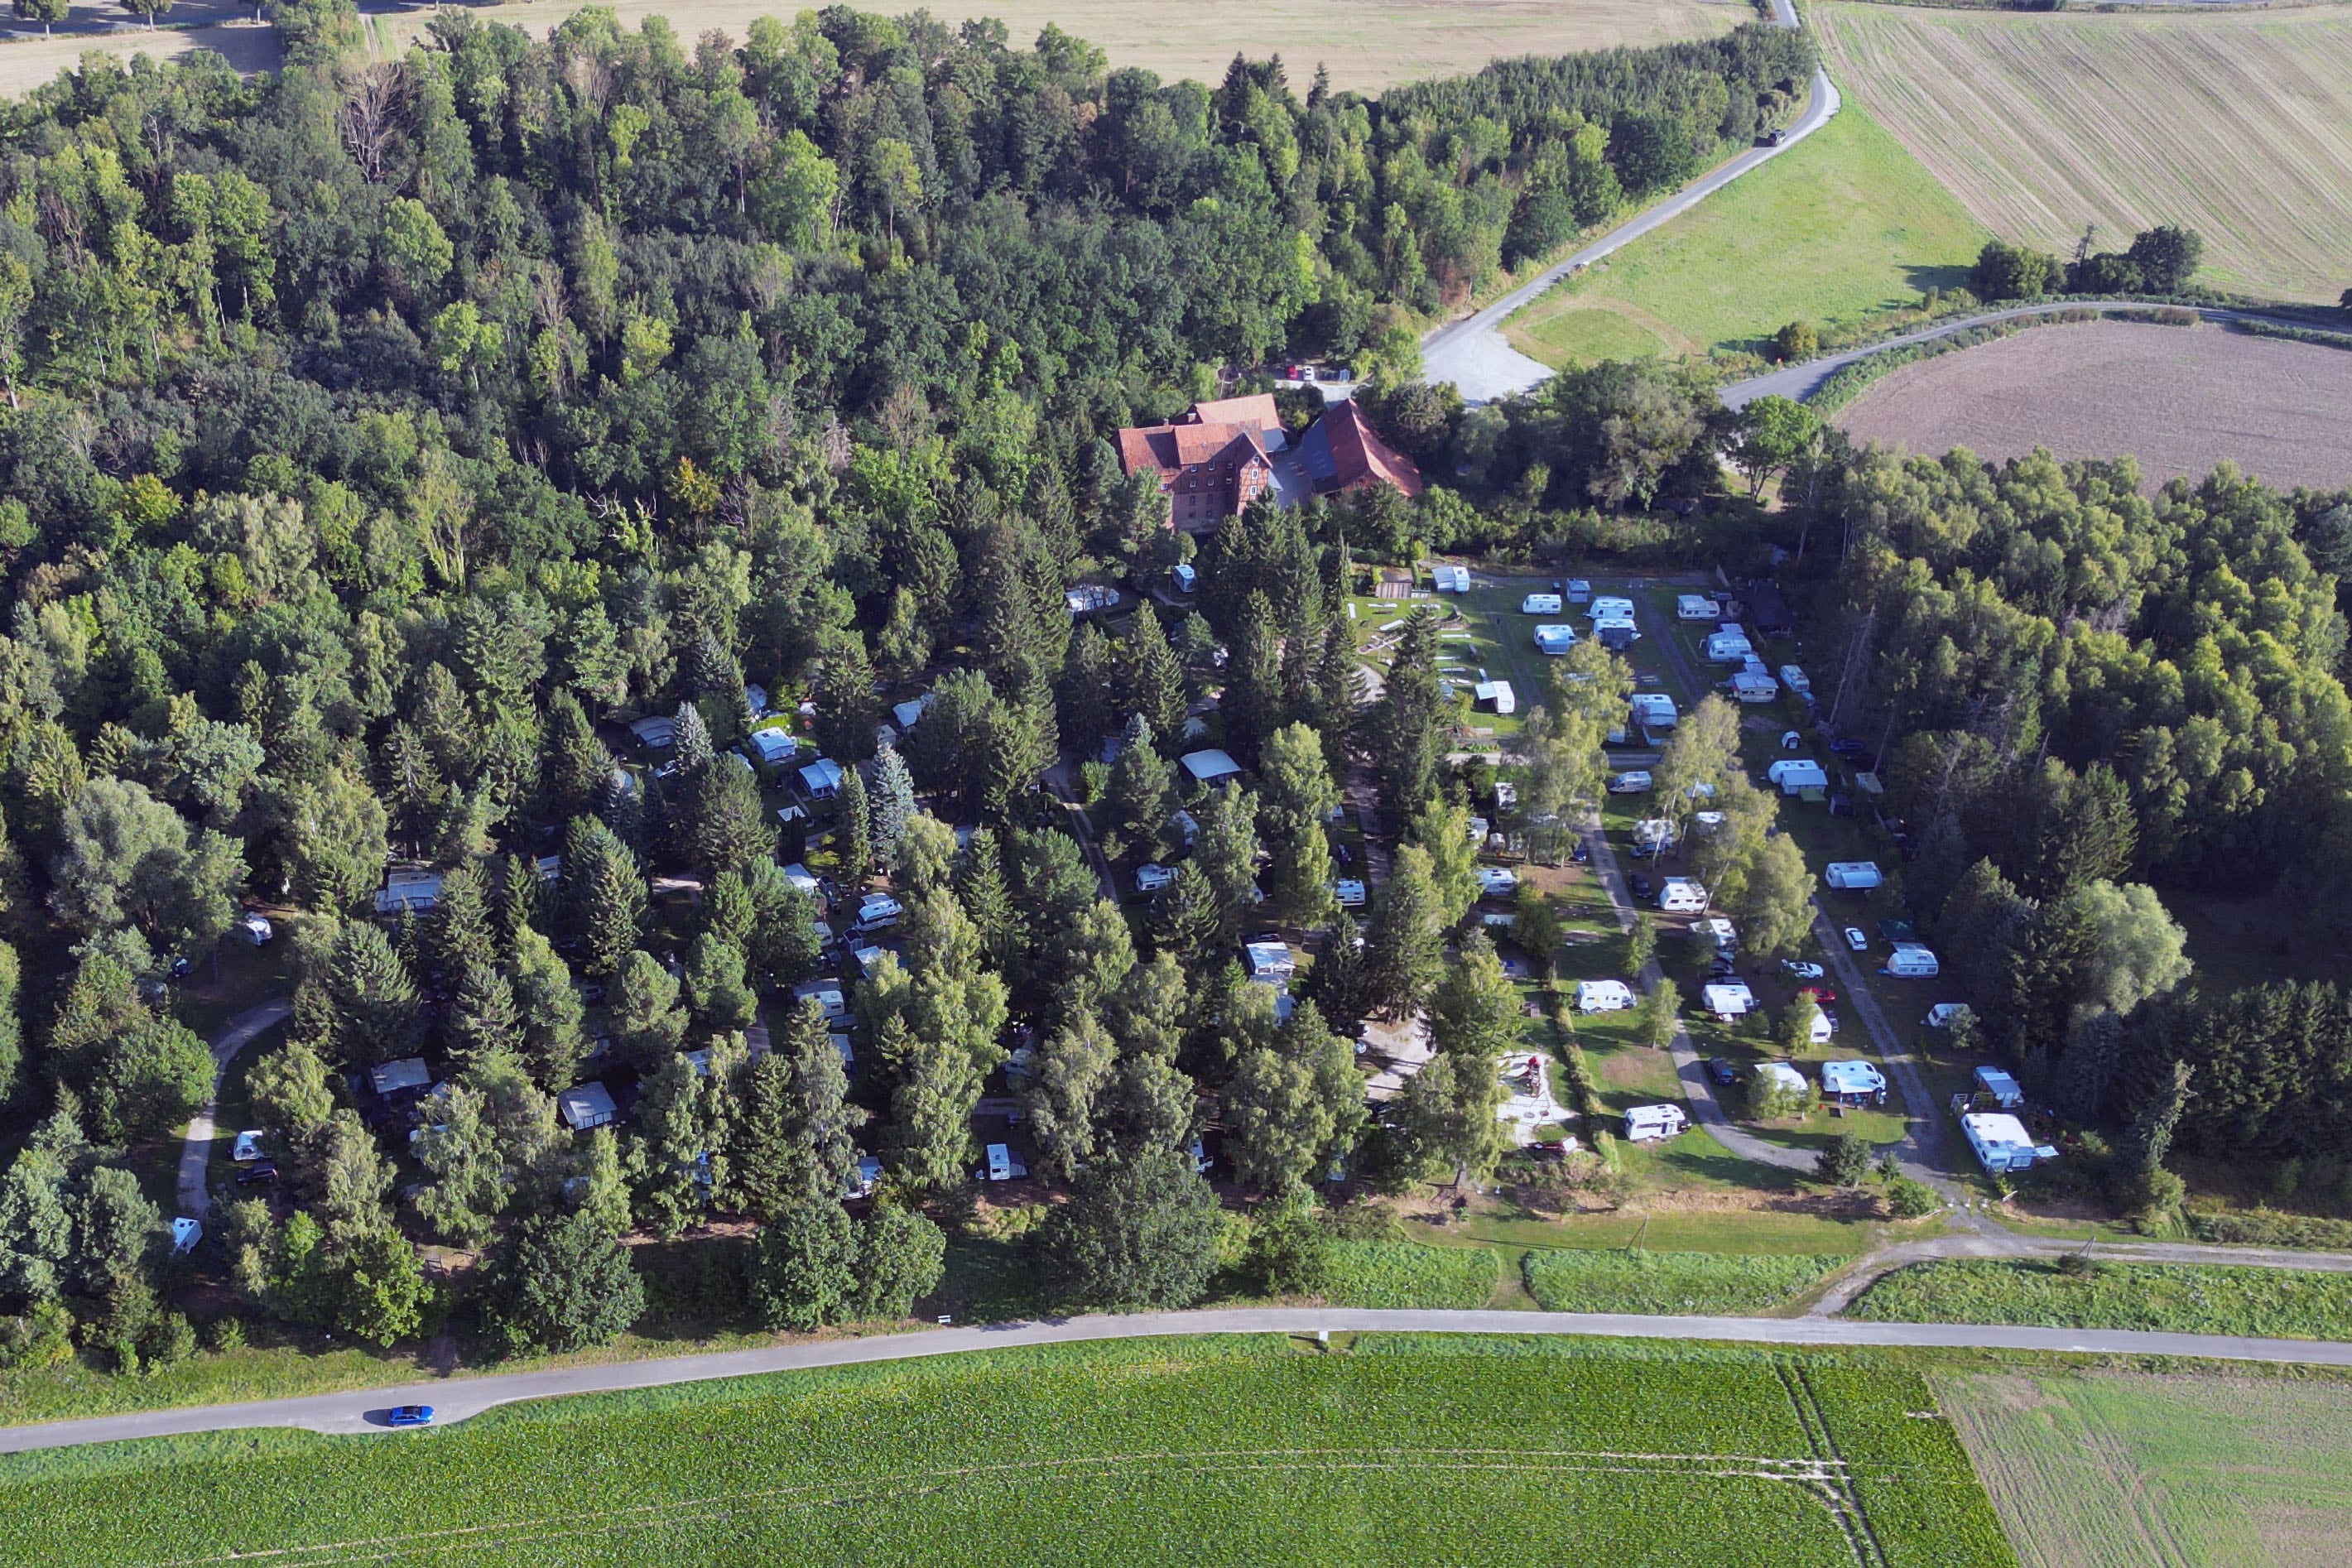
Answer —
(1359, 456)
(1170, 448)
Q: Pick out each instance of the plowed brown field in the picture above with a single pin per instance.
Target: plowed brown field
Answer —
(2179, 399)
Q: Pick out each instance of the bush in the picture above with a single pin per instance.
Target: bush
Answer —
(1796, 341)
(1288, 1252)
(2078, 1265)
(1844, 1159)
(1135, 1232)
(226, 1334)
(1911, 1198)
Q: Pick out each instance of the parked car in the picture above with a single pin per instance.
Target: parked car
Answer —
(1799, 970)
(1581, 855)
(248, 1147)
(1349, 892)
(1151, 878)
(1638, 886)
(1720, 1069)
(409, 1416)
(1823, 995)
(1857, 939)
(1648, 680)
(264, 1174)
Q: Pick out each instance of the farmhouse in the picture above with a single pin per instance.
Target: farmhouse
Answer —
(1209, 472)
(1255, 412)
(1341, 451)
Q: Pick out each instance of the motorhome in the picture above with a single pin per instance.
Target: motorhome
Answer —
(1610, 607)
(1540, 604)
(1909, 960)
(1851, 876)
(1648, 1123)
(1694, 607)
(1603, 996)
(1683, 896)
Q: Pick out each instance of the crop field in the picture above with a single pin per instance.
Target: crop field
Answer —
(1845, 225)
(1669, 1282)
(1257, 1450)
(2124, 1471)
(2271, 1303)
(2237, 126)
(2179, 399)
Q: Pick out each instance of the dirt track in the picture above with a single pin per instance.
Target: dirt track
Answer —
(2180, 399)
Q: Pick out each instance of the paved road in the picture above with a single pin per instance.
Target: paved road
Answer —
(195, 1154)
(455, 1399)
(1471, 353)
(1801, 381)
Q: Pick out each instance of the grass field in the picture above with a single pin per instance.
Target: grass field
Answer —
(2238, 126)
(2271, 1303)
(1262, 1450)
(1845, 225)
(1669, 1282)
(2121, 1472)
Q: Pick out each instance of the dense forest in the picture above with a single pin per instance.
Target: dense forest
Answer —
(2083, 694)
(384, 436)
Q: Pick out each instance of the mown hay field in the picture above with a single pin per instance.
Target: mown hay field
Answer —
(2125, 1471)
(1845, 225)
(2179, 399)
(2237, 126)
(1256, 1450)
(1368, 44)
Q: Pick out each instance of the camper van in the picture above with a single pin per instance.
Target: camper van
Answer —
(1851, 876)
(1745, 687)
(1795, 680)
(1610, 608)
(1647, 1123)
(1603, 996)
(1555, 641)
(1653, 710)
(1540, 604)
(1728, 647)
(1909, 960)
(1634, 782)
(1694, 607)
(1683, 896)
(877, 910)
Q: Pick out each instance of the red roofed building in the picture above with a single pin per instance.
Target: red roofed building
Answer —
(1208, 470)
(1342, 452)
(1255, 412)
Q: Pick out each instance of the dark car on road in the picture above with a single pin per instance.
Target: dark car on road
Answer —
(1721, 1070)
(1639, 885)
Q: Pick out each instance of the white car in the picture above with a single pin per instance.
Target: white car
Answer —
(1636, 782)
(1151, 878)
(1798, 970)
(249, 1146)
(1349, 892)
(1856, 939)
(1497, 881)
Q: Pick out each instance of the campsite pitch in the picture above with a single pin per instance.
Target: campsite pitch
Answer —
(1408, 1450)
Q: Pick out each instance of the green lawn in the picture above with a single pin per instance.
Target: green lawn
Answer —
(2269, 1303)
(1249, 1450)
(1842, 225)
(1625, 1280)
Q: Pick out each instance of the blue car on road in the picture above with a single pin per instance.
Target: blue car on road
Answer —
(409, 1416)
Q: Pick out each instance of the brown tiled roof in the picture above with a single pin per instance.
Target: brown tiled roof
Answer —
(1173, 447)
(1359, 455)
(1255, 411)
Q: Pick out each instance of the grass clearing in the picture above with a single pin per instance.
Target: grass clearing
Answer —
(1632, 1281)
(2122, 1471)
(1405, 1274)
(1842, 226)
(1244, 1450)
(2237, 126)
(2196, 1298)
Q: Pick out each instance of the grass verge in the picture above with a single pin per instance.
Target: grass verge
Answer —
(2196, 1298)
(1670, 1282)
